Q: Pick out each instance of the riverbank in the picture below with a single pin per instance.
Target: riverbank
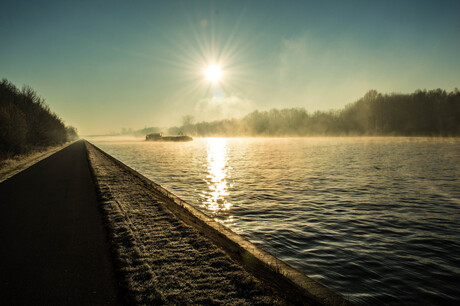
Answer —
(80, 227)
(168, 252)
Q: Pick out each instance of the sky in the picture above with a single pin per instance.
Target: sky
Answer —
(106, 65)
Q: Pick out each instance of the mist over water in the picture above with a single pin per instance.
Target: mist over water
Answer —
(375, 219)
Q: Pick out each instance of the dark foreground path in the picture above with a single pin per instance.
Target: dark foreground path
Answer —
(53, 248)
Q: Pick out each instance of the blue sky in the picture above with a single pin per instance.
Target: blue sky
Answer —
(104, 65)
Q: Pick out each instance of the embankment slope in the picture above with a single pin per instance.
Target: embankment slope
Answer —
(54, 248)
(168, 252)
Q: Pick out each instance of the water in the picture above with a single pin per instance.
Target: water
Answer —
(375, 219)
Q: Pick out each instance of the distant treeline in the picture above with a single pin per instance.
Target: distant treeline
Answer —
(141, 132)
(422, 113)
(26, 122)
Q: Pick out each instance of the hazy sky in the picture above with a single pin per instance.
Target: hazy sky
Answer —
(104, 65)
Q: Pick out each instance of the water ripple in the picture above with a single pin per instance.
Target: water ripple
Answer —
(376, 219)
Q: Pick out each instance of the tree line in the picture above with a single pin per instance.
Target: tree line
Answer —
(26, 122)
(422, 113)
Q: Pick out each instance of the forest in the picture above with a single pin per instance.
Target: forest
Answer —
(422, 113)
(27, 123)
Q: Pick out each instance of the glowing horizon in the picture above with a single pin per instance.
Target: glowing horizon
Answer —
(100, 75)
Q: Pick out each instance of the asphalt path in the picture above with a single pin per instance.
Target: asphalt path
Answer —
(53, 247)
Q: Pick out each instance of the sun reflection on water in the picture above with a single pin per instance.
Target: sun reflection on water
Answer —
(215, 199)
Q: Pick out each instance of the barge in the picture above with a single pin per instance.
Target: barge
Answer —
(160, 137)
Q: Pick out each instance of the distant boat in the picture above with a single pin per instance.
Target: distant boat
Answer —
(160, 137)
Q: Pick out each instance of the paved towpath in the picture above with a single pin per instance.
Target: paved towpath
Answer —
(53, 247)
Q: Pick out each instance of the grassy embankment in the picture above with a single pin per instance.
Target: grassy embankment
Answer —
(168, 252)
(17, 163)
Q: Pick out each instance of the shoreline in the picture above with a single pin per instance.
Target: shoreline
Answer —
(292, 285)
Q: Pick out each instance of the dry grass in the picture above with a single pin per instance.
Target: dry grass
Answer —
(18, 163)
(161, 260)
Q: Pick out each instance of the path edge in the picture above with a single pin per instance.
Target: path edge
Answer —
(293, 285)
(28, 162)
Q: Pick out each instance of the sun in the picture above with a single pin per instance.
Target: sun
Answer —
(213, 73)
